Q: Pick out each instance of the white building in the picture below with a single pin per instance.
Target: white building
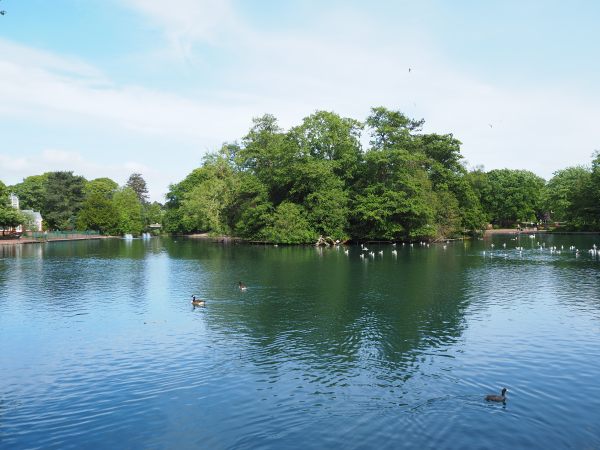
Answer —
(36, 217)
(14, 201)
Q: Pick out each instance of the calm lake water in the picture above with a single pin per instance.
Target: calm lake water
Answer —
(101, 348)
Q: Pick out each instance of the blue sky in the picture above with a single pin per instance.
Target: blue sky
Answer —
(109, 87)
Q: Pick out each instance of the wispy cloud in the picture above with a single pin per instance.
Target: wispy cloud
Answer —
(187, 22)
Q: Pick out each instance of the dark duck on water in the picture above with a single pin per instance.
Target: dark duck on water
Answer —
(497, 398)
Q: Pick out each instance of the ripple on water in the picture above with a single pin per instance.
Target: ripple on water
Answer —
(323, 350)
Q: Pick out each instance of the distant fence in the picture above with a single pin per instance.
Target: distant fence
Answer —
(57, 235)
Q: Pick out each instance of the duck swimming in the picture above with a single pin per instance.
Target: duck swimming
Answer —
(197, 301)
(242, 286)
(497, 398)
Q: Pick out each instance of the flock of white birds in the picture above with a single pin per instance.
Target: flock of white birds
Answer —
(366, 253)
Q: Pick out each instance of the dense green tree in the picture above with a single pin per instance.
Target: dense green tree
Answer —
(152, 213)
(328, 137)
(105, 187)
(513, 196)
(64, 196)
(203, 201)
(288, 225)
(406, 185)
(3, 194)
(560, 194)
(138, 184)
(583, 198)
(251, 210)
(392, 129)
(128, 210)
(395, 198)
(11, 218)
(98, 213)
(32, 192)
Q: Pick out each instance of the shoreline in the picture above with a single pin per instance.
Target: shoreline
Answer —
(75, 237)
(512, 231)
(549, 232)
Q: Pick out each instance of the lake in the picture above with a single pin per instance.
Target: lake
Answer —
(101, 348)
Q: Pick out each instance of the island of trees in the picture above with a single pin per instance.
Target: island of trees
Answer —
(317, 179)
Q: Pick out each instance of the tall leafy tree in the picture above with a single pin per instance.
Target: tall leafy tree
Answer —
(11, 218)
(32, 192)
(128, 209)
(63, 198)
(102, 186)
(3, 194)
(138, 184)
(98, 213)
(562, 194)
(513, 196)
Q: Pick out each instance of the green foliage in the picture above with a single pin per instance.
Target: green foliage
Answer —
(315, 179)
(251, 210)
(138, 184)
(152, 213)
(104, 187)
(395, 199)
(32, 192)
(3, 194)
(128, 209)
(560, 194)
(11, 218)
(328, 137)
(406, 186)
(98, 213)
(391, 128)
(64, 196)
(513, 196)
(288, 225)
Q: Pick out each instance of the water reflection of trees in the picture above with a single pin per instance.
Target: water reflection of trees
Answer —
(334, 310)
(71, 275)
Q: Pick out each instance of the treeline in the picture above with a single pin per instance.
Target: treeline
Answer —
(318, 179)
(70, 202)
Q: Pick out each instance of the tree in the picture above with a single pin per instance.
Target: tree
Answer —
(513, 196)
(98, 213)
(288, 225)
(128, 212)
(561, 193)
(104, 187)
(152, 213)
(327, 136)
(138, 184)
(64, 196)
(32, 192)
(391, 128)
(3, 194)
(11, 218)
(394, 199)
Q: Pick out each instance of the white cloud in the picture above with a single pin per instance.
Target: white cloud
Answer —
(186, 22)
(33, 91)
(14, 169)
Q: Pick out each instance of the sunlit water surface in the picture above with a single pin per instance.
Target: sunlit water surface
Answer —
(100, 346)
